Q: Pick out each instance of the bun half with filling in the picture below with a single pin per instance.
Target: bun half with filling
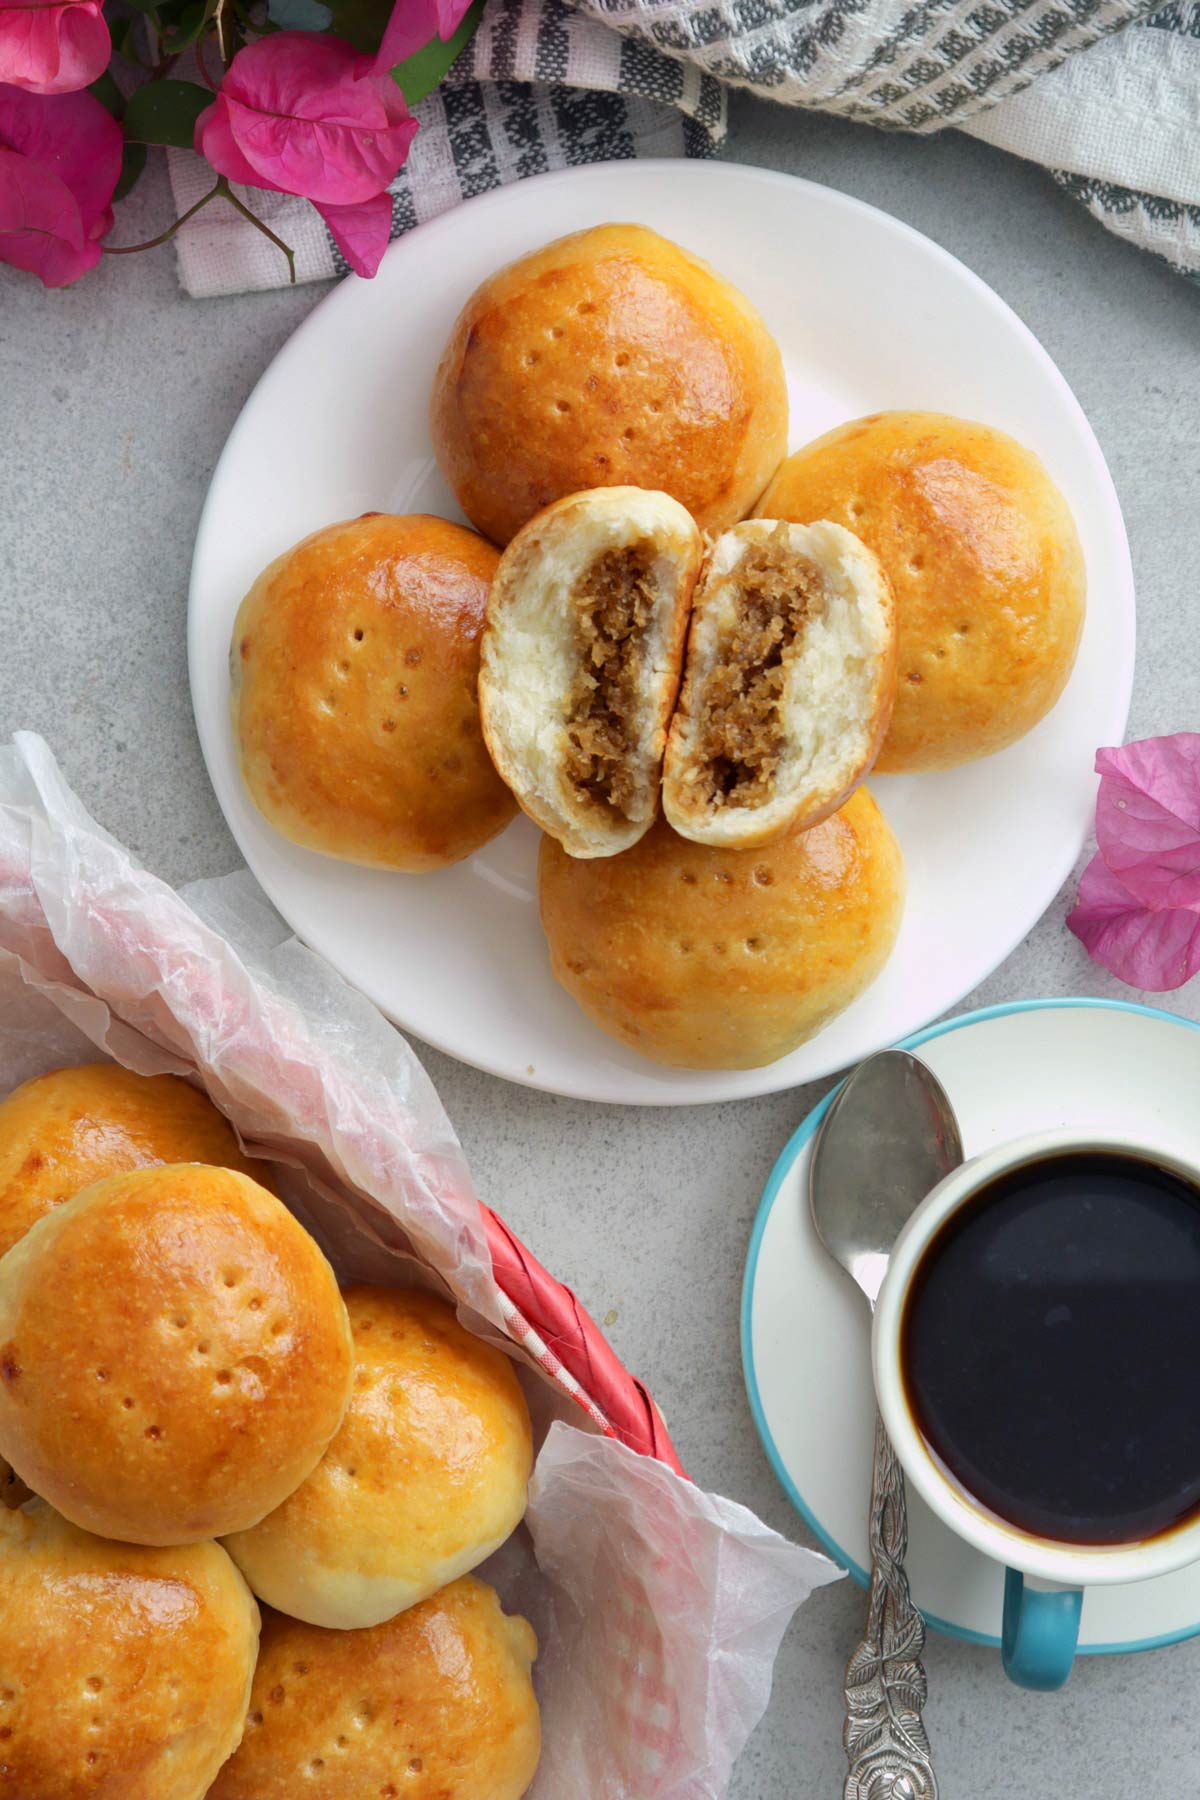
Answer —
(581, 660)
(788, 684)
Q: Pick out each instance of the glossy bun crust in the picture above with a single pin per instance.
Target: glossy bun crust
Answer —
(709, 958)
(609, 358)
(985, 563)
(355, 667)
(434, 1705)
(124, 1672)
(174, 1355)
(426, 1477)
(62, 1131)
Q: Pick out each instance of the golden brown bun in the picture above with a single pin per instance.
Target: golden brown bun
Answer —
(610, 358)
(354, 667)
(581, 660)
(62, 1131)
(124, 1672)
(725, 959)
(13, 1491)
(174, 1355)
(434, 1705)
(790, 676)
(426, 1477)
(986, 566)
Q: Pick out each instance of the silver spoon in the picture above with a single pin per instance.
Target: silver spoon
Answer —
(887, 1140)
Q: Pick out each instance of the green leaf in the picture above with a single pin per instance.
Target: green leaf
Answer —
(152, 15)
(185, 26)
(132, 164)
(299, 15)
(109, 94)
(124, 39)
(420, 74)
(165, 112)
(360, 22)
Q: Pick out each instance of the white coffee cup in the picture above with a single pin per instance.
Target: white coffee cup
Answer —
(1045, 1578)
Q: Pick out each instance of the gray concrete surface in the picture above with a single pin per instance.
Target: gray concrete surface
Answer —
(115, 399)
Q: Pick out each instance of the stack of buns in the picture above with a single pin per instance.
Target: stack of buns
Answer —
(668, 615)
(178, 1367)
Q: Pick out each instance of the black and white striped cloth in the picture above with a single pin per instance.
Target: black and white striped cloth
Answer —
(1104, 93)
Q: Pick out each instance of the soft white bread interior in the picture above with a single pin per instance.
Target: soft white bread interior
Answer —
(788, 683)
(582, 652)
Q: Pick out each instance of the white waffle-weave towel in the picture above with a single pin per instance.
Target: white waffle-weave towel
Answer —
(1104, 93)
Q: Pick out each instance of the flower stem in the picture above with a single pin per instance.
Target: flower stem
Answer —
(224, 188)
(207, 78)
(154, 242)
(221, 186)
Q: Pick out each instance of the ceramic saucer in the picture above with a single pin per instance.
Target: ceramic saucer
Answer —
(1032, 1066)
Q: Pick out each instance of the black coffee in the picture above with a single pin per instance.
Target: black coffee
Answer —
(1050, 1349)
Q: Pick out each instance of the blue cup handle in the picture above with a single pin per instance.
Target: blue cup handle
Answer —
(1040, 1632)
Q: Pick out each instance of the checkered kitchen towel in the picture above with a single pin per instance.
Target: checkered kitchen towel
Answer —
(1104, 93)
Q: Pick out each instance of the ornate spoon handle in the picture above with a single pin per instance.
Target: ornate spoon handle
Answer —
(886, 1743)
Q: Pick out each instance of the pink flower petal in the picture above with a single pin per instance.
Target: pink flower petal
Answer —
(213, 139)
(361, 232)
(451, 14)
(413, 23)
(1148, 818)
(74, 137)
(41, 229)
(303, 114)
(52, 49)
(1154, 951)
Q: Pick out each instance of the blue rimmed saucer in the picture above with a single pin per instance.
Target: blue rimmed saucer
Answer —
(1035, 1065)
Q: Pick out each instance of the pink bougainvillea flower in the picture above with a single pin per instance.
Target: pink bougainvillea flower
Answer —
(413, 23)
(1148, 818)
(60, 157)
(1138, 911)
(301, 113)
(361, 232)
(1151, 950)
(52, 46)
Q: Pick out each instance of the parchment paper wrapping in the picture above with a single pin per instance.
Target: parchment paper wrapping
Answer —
(659, 1608)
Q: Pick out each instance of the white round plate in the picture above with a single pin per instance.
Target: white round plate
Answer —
(1035, 1066)
(869, 315)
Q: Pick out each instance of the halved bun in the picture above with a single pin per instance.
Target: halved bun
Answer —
(788, 686)
(581, 658)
